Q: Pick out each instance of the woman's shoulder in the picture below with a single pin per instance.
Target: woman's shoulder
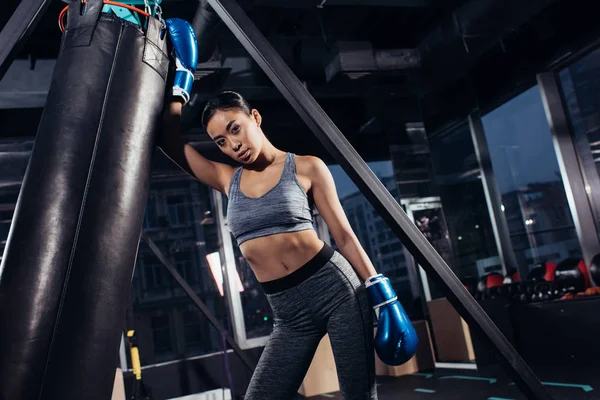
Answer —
(309, 165)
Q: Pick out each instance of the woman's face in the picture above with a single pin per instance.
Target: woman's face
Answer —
(237, 134)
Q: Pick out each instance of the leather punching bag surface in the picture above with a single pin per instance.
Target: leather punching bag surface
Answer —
(66, 272)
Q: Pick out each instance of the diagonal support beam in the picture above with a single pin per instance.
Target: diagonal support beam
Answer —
(201, 306)
(17, 30)
(334, 141)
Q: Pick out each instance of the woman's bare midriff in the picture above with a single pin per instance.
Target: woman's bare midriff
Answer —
(273, 257)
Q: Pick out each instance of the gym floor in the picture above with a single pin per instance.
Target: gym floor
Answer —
(467, 385)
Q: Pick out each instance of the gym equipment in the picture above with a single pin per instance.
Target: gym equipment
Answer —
(488, 285)
(185, 50)
(67, 266)
(571, 276)
(511, 276)
(595, 270)
(396, 339)
(511, 286)
(543, 271)
(138, 389)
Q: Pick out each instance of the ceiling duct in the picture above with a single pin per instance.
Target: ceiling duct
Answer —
(355, 60)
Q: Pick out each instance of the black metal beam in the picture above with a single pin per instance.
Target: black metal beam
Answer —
(377, 194)
(17, 30)
(201, 306)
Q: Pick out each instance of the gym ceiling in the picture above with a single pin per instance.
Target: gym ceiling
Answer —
(373, 65)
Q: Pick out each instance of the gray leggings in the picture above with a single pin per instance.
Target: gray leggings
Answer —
(324, 296)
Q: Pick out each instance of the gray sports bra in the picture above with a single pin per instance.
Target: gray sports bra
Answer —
(284, 208)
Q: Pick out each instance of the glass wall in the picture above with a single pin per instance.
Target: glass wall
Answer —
(528, 177)
(180, 220)
(384, 249)
(258, 317)
(580, 84)
(458, 179)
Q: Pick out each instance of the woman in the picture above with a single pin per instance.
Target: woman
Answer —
(311, 288)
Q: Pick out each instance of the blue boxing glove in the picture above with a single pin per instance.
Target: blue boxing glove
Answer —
(185, 49)
(396, 339)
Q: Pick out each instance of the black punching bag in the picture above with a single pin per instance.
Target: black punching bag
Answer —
(66, 272)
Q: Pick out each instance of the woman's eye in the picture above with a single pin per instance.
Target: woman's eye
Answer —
(220, 142)
(235, 129)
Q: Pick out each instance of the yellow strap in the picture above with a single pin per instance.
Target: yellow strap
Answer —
(135, 361)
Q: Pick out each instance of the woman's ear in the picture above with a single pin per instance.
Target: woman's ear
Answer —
(257, 117)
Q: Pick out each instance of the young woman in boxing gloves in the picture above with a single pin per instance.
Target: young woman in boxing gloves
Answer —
(312, 289)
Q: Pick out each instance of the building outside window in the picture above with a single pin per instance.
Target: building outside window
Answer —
(528, 177)
(179, 221)
(384, 249)
(457, 177)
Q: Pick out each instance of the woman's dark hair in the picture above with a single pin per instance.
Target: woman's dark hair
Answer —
(225, 101)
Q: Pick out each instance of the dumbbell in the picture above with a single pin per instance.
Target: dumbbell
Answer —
(571, 276)
(488, 284)
(538, 285)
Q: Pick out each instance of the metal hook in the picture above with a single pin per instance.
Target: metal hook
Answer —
(158, 11)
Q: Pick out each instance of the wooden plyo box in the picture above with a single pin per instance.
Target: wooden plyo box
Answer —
(423, 359)
(118, 386)
(451, 332)
(321, 376)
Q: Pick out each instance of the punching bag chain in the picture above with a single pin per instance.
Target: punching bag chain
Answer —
(61, 16)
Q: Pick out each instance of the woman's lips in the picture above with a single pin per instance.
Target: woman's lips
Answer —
(245, 155)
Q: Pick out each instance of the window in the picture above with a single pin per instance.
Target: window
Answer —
(356, 212)
(158, 300)
(258, 316)
(381, 245)
(465, 210)
(580, 87)
(161, 334)
(150, 218)
(183, 264)
(155, 278)
(177, 209)
(527, 173)
(192, 329)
